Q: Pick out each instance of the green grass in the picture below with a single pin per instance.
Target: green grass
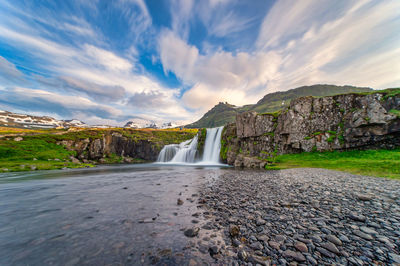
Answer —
(41, 152)
(379, 163)
(34, 153)
(395, 112)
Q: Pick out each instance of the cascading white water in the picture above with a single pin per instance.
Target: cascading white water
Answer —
(212, 145)
(168, 152)
(185, 152)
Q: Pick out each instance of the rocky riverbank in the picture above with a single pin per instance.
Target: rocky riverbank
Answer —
(305, 216)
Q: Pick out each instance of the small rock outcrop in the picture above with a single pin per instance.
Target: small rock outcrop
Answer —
(342, 122)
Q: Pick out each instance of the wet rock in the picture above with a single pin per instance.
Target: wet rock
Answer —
(316, 238)
(242, 255)
(274, 245)
(146, 221)
(368, 230)
(179, 202)
(260, 222)
(344, 238)
(214, 250)
(280, 238)
(235, 242)
(325, 252)
(297, 256)
(256, 246)
(334, 240)
(395, 257)
(357, 217)
(192, 232)
(331, 247)
(365, 197)
(362, 235)
(263, 238)
(300, 246)
(193, 262)
(311, 260)
(234, 230)
(260, 260)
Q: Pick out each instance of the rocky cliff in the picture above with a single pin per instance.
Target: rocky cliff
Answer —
(342, 122)
(113, 143)
(125, 144)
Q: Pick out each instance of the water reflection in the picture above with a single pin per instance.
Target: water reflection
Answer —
(106, 215)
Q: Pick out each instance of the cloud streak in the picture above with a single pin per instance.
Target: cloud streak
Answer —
(131, 58)
(357, 44)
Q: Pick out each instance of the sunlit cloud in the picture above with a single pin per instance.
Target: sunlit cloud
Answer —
(174, 60)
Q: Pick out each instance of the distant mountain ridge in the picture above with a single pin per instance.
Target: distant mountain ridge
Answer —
(9, 119)
(224, 113)
(143, 123)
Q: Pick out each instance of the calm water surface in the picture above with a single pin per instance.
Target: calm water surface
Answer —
(95, 216)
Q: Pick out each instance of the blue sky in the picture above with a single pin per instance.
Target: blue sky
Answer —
(106, 62)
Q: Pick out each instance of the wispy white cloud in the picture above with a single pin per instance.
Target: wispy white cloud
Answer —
(87, 71)
(106, 58)
(336, 51)
(221, 76)
(96, 91)
(62, 105)
(228, 23)
(9, 73)
(201, 43)
(182, 14)
(339, 42)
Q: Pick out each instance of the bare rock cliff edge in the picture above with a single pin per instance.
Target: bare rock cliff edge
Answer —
(342, 122)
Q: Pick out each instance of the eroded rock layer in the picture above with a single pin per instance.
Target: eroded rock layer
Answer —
(113, 143)
(342, 122)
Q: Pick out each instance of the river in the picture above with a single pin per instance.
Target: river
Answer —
(124, 214)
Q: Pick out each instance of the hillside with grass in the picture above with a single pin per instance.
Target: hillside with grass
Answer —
(25, 150)
(224, 113)
(220, 114)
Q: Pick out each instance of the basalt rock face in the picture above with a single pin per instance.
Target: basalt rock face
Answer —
(342, 122)
(112, 143)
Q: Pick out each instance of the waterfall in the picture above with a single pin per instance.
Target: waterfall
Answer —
(168, 152)
(212, 145)
(185, 152)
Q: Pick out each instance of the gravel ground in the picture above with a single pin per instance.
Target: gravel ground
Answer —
(301, 216)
